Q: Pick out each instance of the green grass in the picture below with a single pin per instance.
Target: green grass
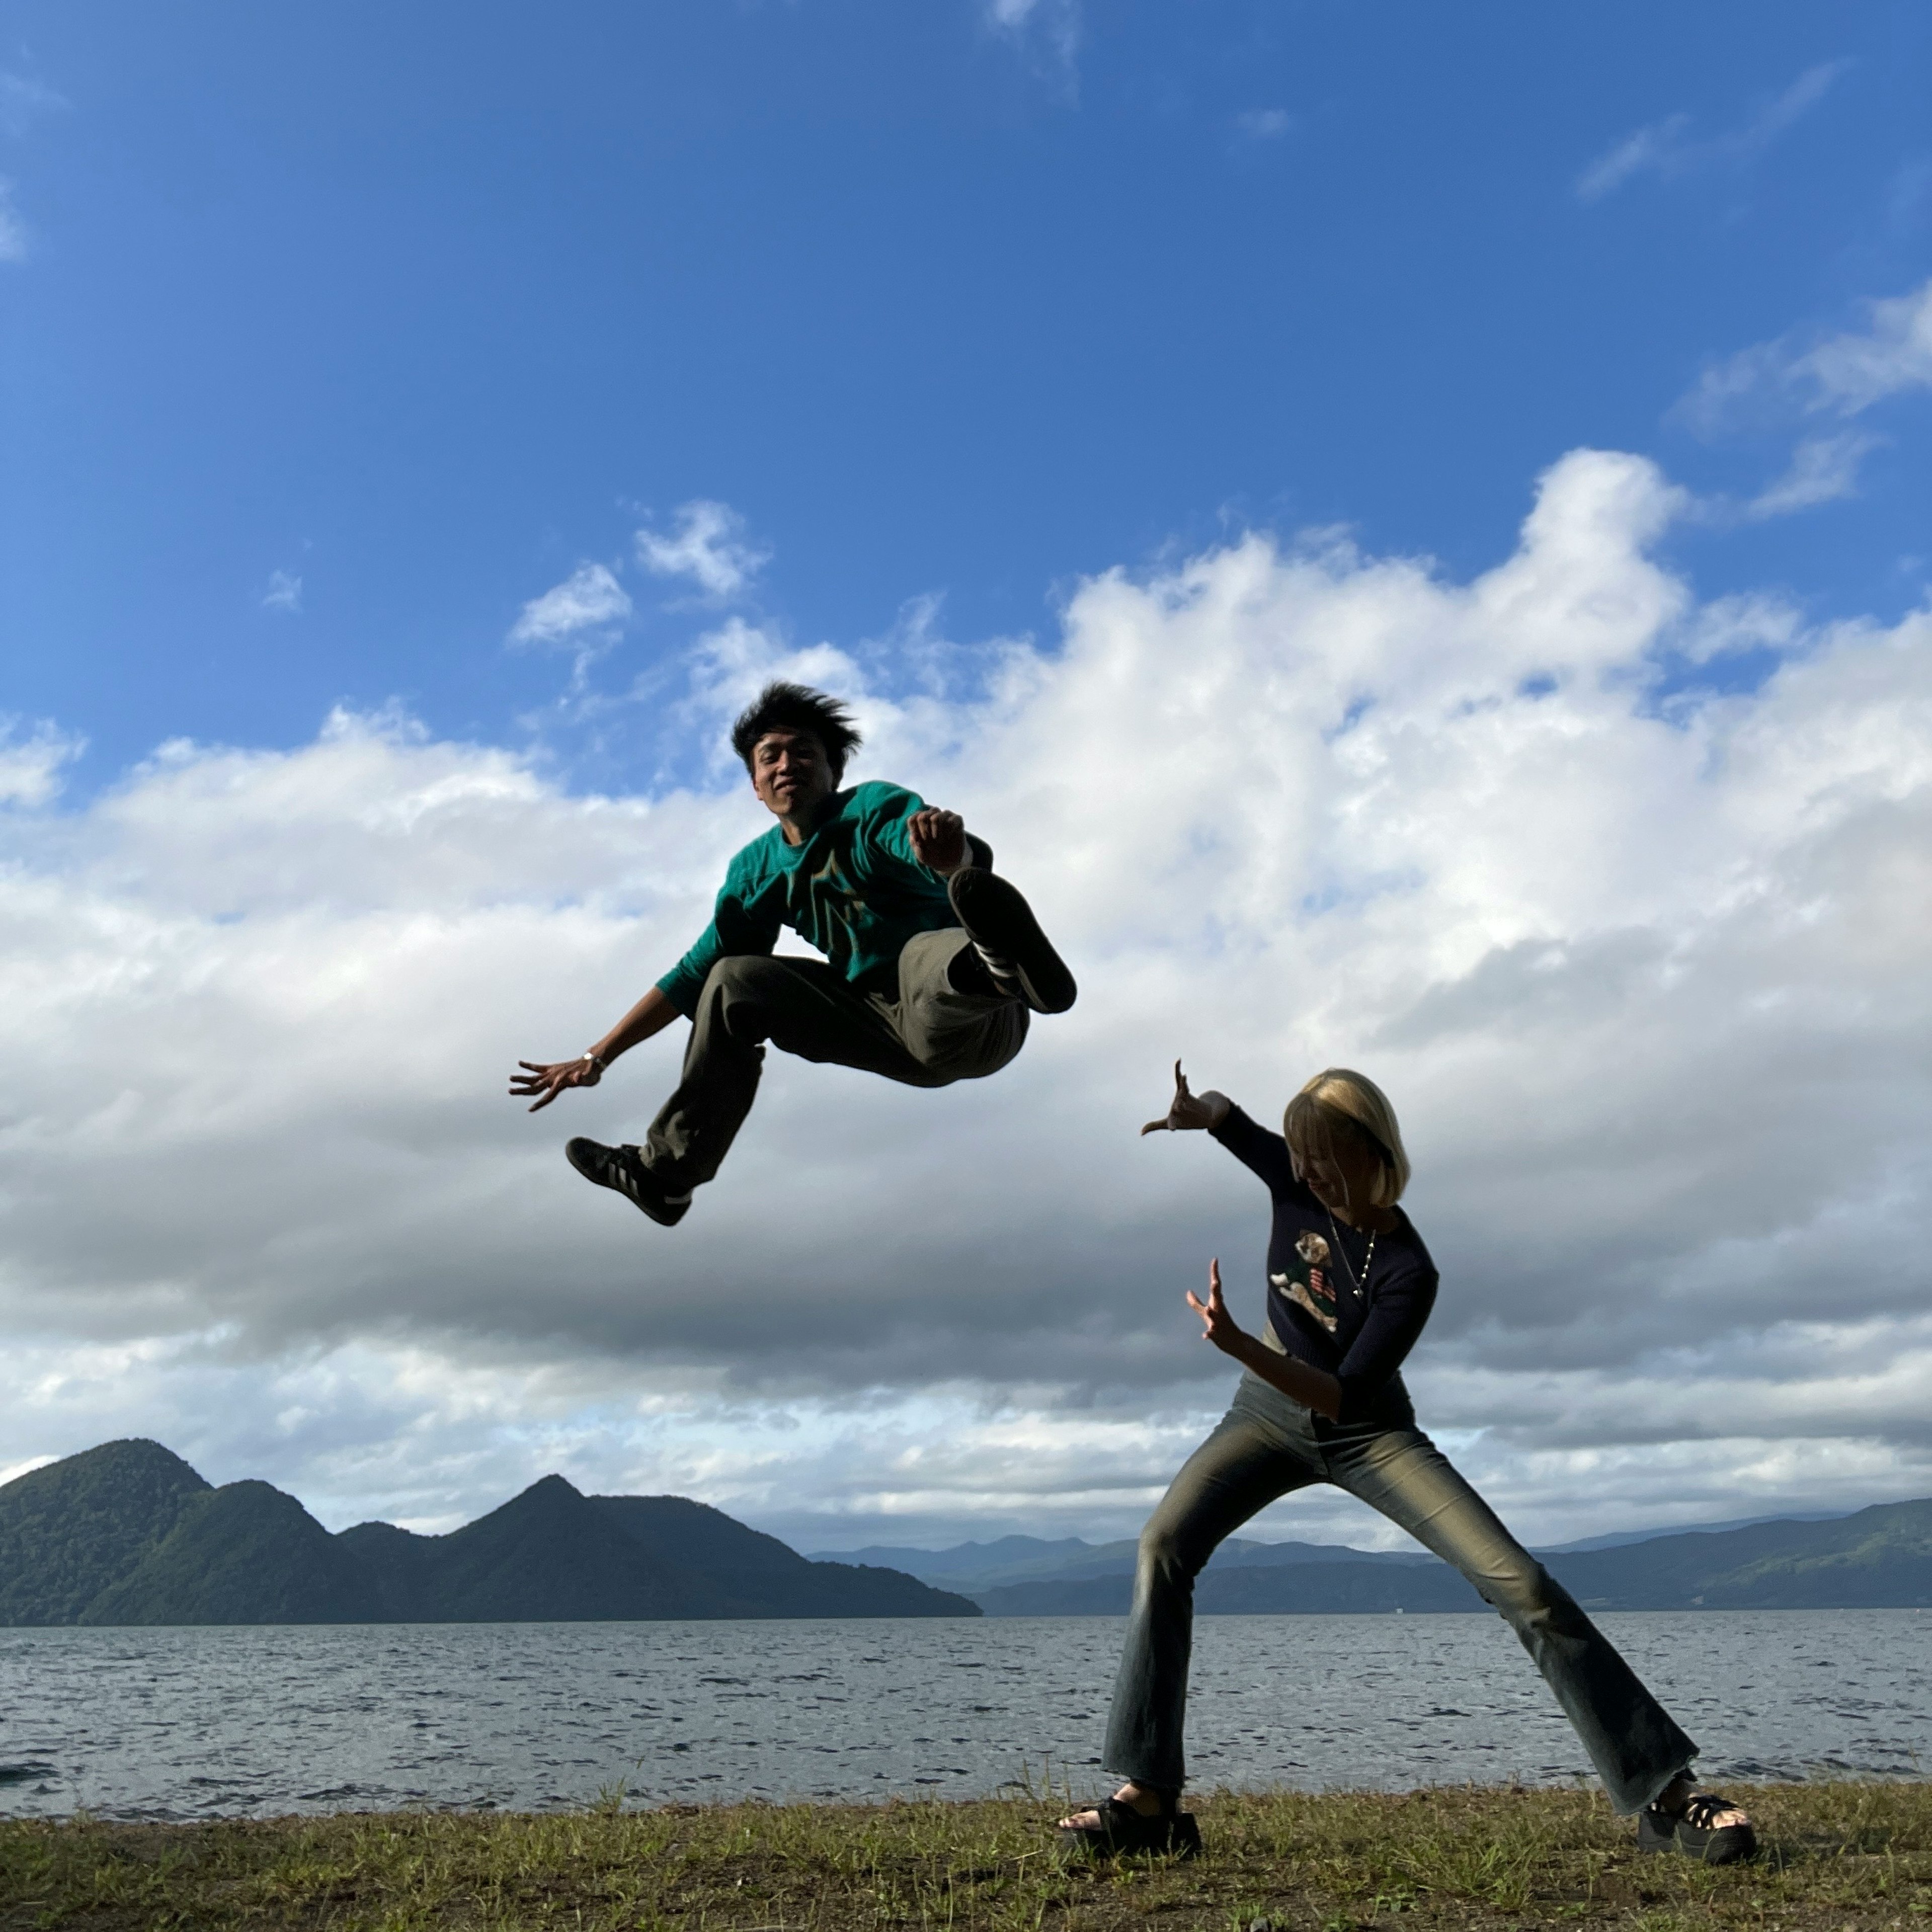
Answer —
(1836, 1856)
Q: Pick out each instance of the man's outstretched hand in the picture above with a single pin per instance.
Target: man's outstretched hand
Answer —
(1186, 1110)
(548, 1080)
(939, 840)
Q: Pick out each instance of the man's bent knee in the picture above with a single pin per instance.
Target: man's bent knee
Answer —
(739, 997)
(745, 978)
(745, 972)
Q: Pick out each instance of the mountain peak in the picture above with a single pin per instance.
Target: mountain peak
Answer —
(69, 1529)
(134, 1459)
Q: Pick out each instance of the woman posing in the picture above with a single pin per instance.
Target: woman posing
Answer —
(1350, 1286)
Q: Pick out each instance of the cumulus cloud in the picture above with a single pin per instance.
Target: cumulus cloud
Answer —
(1731, 626)
(1646, 980)
(709, 546)
(589, 599)
(1665, 148)
(31, 761)
(1841, 375)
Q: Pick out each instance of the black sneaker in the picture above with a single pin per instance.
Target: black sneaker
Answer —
(1001, 925)
(623, 1168)
(1710, 1829)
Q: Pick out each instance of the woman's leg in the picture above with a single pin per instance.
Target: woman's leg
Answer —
(1636, 1747)
(1258, 1451)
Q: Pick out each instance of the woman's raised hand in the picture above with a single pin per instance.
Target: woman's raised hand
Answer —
(1185, 1110)
(1217, 1325)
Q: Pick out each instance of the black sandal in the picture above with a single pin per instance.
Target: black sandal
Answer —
(1121, 1829)
(1697, 1833)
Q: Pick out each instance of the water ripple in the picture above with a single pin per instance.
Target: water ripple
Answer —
(223, 1723)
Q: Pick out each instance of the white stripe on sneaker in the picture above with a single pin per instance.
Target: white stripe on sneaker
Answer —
(1000, 969)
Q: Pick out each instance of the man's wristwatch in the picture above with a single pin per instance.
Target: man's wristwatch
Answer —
(587, 1055)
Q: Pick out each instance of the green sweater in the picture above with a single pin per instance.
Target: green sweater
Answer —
(853, 888)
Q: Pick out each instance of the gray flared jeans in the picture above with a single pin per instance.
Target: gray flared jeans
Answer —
(1268, 1444)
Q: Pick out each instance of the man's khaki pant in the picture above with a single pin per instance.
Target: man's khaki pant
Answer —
(929, 1036)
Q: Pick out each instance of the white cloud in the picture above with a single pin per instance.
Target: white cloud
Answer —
(14, 241)
(1823, 469)
(1051, 25)
(1791, 106)
(1664, 148)
(1728, 626)
(31, 761)
(1842, 375)
(284, 592)
(1263, 124)
(590, 598)
(1852, 371)
(709, 546)
(24, 99)
(1654, 149)
(1648, 989)
(1016, 16)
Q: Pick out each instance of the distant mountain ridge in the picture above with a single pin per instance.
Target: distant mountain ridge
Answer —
(1876, 1558)
(1615, 1539)
(128, 1533)
(977, 1567)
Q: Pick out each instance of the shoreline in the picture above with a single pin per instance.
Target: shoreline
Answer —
(1837, 1854)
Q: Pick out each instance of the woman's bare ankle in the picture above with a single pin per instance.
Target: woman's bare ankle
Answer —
(1145, 1801)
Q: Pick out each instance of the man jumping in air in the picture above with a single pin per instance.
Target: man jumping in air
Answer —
(931, 962)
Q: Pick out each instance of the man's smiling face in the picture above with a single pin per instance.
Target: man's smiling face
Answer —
(791, 774)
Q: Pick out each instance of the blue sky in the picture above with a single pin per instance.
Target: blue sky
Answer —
(1405, 526)
(423, 307)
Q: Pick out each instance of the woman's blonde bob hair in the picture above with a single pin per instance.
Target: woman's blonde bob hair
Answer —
(1340, 1100)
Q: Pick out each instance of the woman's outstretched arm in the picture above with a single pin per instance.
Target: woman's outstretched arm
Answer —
(1314, 1388)
(1252, 1145)
(1188, 1110)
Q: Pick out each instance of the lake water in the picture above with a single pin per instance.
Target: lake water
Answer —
(202, 1723)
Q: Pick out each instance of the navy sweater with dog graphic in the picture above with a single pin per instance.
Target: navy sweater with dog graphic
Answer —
(1322, 1307)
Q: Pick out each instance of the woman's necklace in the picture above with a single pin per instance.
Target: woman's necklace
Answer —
(1358, 1282)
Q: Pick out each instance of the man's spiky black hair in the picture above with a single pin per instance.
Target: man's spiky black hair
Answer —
(781, 707)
